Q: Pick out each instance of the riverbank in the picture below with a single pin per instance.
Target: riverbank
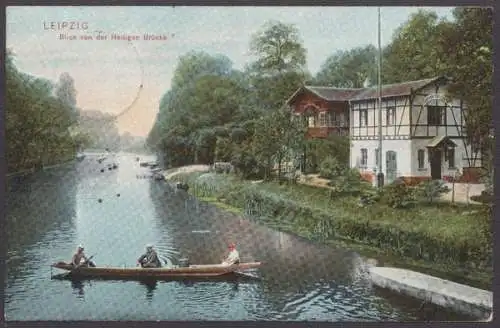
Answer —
(34, 170)
(443, 240)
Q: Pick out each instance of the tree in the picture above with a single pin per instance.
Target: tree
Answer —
(37, 123)
(349, 69)
(66, 92)
(278, 136)
(468, 45)
(280, 65)
(415, 52)
(278, 49)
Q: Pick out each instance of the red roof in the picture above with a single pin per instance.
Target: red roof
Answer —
(345, 94)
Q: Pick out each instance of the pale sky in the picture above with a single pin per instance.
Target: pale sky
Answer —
(108, 73)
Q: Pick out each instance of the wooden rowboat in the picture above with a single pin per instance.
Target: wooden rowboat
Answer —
(192, 271)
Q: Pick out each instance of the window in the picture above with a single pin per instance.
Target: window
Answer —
(313, 120)
(322, 119)
(451, 158)
(421, 158)
(363, 117)
(436, 115)
(364, 157)
(390, 116)
(332, 119)
(376, 157)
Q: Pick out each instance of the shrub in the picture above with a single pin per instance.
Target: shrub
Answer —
(349, 182)
(330, 168)
(398, 195)
(431, 190)
(438, 233)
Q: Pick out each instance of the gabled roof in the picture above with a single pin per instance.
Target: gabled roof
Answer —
(326, 93)
(360, 94)
(397, 89)
(438, 140)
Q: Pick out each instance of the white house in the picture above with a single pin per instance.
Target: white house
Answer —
(423, 132)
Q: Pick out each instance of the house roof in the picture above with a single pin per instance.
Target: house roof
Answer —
(360, 94)
(393, 90)
(326, 93)
(436, 141)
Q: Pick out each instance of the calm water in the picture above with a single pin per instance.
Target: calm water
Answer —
(51, 213)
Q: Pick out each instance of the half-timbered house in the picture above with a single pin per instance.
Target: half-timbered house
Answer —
(423, 133)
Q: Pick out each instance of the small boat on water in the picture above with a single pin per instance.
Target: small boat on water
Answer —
(134, 273)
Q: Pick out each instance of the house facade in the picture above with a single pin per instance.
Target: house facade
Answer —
(325, 109)
(423, 133)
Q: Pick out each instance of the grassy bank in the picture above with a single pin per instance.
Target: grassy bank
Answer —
(441, 239)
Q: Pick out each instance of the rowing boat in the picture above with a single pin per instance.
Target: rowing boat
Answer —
(199, 271)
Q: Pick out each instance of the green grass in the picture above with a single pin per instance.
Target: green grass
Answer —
(221, 205)
(440, 237)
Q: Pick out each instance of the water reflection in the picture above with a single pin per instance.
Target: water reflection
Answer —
(150, 288)
(78, 288)
(299, 281)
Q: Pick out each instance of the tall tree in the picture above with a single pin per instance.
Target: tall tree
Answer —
(349, 69)
(277, 138)
(280, 65)
(468, 47)
(66, 92)
(278, 49)
(414, 52)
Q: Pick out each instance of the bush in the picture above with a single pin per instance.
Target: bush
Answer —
(398, 195)
(431, 190)
(349, 182)
(330, 168)
(438, 233)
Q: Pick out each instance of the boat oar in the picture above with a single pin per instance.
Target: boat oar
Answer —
(64, 275)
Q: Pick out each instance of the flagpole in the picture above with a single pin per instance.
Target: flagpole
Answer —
(380, 174)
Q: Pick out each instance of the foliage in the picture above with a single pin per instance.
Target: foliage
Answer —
(399, 195)
(330, 168)
(349, 183)
(39, 125)
(349, 69)
(276, 137)
(317, 150)
(436, 233)
(415, 52)
(246, 164)
(278, 49)
(469, 49)
(431, 190)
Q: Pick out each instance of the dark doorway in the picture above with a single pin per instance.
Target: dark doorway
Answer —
(436, 161)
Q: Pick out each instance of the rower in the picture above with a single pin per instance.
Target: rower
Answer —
(233, 257)
(79, 258)
(149, 259)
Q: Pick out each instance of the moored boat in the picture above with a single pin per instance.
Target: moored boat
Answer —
(193, 271)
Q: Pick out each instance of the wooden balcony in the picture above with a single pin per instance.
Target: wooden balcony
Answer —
(324, 132)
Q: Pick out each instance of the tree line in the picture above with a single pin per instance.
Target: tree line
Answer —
(43, 125)
(214, 112)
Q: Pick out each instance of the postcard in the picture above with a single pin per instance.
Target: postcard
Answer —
(321, 164)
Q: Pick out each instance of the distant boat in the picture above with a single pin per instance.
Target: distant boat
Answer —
(80, 157)
(149, 164)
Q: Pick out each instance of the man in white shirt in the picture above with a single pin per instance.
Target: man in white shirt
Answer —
(233, 257)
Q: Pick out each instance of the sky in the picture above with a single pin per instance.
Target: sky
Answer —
(108, 73)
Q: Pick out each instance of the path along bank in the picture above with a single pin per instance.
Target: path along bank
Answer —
(443, 240)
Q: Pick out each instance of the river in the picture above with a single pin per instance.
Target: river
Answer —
(116, 212)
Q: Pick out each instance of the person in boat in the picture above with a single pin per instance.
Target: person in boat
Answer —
(80, 259)
(233, 257)
(150, 259)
